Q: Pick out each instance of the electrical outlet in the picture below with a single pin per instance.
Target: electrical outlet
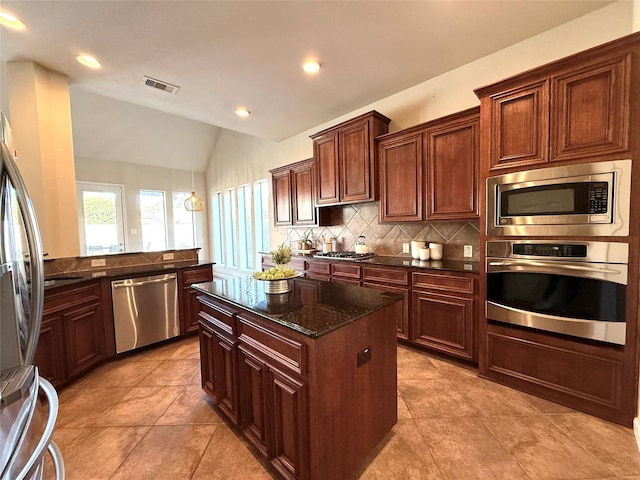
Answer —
(167, 256)
(364, 356)
(406, 247)
(98, 262)
(468, 250)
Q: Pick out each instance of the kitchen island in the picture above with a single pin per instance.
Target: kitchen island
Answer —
(309, 377)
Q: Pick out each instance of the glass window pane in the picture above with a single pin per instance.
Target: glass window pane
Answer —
(230, 228)
(216, 212)
(153, 220)
(100, 223)
(183, 222)
(261, 217)
(244, 227)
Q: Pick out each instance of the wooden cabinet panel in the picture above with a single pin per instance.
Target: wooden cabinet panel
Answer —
(252, 373)
(50, 356)
(520, 126)
(207, 370)
(188, 297)
(325, 154)
(282, 198)
(347, 270)
(289, 425)
(356, 165)
(444, 282)
(452, 169)
(84, 338)
(401, 160)
(444, 323)
(396, 276)
(402, 321)
(302, 194)
(345, 160)
(590, 110)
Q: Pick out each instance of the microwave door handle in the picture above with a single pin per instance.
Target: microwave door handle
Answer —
(552, 265)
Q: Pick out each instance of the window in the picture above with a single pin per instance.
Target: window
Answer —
(153, 220)
(216, 217)
(100, 218)
(261, 217)
(230, 228)
(245, 240)
(184, 227)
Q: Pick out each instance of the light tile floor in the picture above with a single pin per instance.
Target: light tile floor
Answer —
(146, 417)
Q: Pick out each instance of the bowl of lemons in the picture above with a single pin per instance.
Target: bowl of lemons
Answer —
(276, 279)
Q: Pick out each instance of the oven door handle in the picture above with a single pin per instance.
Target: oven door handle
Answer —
(552, 265)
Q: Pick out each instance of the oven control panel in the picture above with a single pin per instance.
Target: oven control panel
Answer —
(550, 250)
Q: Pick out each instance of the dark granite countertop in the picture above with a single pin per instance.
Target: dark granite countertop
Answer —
(451, 265)
(313, 307)
(69, 278)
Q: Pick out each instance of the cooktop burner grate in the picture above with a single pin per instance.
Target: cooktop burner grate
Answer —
(345, 255)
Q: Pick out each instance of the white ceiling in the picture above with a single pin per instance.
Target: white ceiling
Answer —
(228, 53)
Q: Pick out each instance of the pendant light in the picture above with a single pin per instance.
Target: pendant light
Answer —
(194, 203)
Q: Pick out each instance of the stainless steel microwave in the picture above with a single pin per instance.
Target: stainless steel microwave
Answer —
(590, 199)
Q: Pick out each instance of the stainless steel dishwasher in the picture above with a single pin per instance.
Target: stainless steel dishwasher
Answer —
(145, 310)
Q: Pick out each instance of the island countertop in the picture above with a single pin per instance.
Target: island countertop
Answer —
(312, 307)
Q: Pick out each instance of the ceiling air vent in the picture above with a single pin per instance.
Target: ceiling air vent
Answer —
(165, 87)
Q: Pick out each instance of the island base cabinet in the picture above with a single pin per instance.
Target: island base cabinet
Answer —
(443, 323)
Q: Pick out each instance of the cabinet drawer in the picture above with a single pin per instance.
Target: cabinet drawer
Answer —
(449, 283)
(282, 350)
(345, 270)
(197, 275)
(217, 314)
(65, 297)
(321, 267)
(386, 275)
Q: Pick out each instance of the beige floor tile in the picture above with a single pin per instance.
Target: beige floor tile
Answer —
(86, 405)
(414, 364)
(614, 445)
(172, 372)
(141, 406)
(403, 410)
(403, 455)
(464, 449)
(489, 398)
(162, 351)
(167, 452)
(191, 406)
(118, 374)
(545, 406)
(449, 368)
(542, 450)
(433, 398)
(228, 458)
(97, 452)
(187, 349)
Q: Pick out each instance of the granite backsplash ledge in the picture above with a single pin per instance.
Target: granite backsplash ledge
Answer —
(387, 238)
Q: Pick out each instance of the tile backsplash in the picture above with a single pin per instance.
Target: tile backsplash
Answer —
(387, 238)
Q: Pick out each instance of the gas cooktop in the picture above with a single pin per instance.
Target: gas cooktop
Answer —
(344, 255)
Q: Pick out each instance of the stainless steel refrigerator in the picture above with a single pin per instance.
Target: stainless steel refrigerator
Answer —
(28, 403)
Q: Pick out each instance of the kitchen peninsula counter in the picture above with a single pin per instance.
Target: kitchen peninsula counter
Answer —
(308, 377)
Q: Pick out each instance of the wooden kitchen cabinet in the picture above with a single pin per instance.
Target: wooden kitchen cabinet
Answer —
(401, 182)
(453, 149)
(443, 313)
(72, 339)
(345, 160)
(187, 296)
(282, 206)
(394, 280)
(430, 171)
(573, 109)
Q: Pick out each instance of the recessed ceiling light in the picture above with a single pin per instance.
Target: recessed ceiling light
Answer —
(88, 61)
(311, 66)
(11, 21)
(242, 112)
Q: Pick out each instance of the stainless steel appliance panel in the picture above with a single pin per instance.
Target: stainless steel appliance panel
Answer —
(591, 199)
(145, 310)
(573, 288)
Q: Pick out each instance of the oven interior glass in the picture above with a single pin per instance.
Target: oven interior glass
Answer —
(559, 295)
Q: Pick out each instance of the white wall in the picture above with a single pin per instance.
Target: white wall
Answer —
(142, 177)
(239, 159)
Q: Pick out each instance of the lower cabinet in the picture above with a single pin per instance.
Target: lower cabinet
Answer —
(394, 280)
(72, 339)
(188, 296)
(443, 313)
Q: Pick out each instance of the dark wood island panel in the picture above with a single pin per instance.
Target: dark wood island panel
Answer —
(314, 371)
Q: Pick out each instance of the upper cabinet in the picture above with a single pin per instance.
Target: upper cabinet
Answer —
(429, 172)
(567, 110)
(294, 197)
(345, 162)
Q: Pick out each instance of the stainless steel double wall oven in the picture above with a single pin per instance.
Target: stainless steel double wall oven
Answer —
(564, 285)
